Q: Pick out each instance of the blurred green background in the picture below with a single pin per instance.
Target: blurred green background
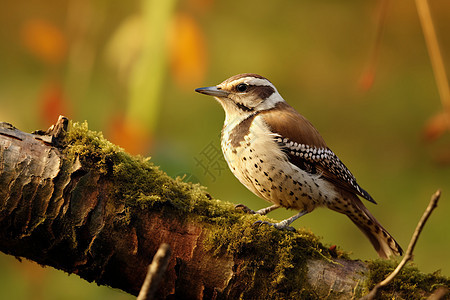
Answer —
(359, 70)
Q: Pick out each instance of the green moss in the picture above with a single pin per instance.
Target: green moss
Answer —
(410, 283)
(138, 182)
(265, 251)
(268, 253)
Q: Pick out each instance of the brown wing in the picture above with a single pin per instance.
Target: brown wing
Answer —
(306, 148)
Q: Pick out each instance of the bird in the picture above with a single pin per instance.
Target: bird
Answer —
(278, 154)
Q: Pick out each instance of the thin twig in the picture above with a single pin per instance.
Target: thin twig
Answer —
(155, 273)
(409, 253)
(434, 52)
(368, 75)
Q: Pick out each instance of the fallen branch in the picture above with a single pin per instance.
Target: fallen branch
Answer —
(72, 200)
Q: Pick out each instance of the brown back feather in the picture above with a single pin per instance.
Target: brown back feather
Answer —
(287, 122)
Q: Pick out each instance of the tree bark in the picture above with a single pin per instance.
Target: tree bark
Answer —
(71, 200)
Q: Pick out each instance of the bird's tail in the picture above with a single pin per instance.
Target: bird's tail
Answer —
(382, 241)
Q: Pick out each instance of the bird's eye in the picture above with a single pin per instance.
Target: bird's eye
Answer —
(242, 87)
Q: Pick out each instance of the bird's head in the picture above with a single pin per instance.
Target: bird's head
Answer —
(243, 95)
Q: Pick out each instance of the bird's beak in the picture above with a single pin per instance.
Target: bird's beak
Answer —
(212, 91)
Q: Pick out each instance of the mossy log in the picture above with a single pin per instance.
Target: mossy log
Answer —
(72, 200)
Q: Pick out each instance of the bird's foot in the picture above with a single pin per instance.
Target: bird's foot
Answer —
(280, 225)
(245, 209)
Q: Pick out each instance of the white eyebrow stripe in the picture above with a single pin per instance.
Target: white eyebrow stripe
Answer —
(253, 81)
(259, 81)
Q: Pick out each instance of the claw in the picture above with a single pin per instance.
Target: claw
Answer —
(259, 222)
(280, 225)
(245, 209)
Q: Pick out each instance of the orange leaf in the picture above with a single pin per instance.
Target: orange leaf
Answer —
(188, 55)
(436, 126)
(134, 137)
(366, 81)
(44, 40)
(53, 103)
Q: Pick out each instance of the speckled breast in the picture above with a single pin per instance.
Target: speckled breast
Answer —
(259, 164)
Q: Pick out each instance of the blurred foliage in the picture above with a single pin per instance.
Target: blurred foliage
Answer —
(360, 71)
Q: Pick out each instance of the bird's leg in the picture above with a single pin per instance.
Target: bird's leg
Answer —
(262, 211)
(265, 211)
(285, 223)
